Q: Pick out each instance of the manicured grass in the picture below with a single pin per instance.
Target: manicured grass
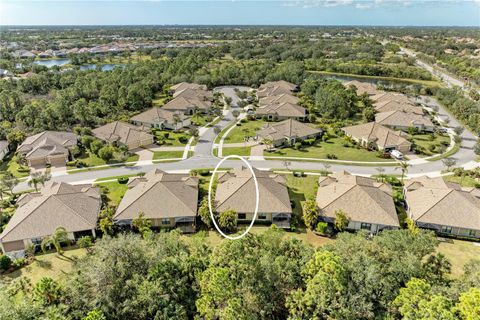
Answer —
(334, 146)
(10, 164)
(115, 191)
(220, 135)
(160, 99)
(465, 181)
(301, 189)
(240, 151)
(237, 134)
(116, 177)
(450, 153)
(458, 253)
(50, 265)
(424, 141)
(92, 160)
(167, 154)
(200, 119)
(173, 137)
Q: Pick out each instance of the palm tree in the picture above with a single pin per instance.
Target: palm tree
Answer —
(267, 142)
(38, 178)
(381, 173)
(326, 167)
(404, 168)
(59, 235)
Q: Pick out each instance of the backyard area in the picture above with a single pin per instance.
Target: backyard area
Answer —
(458, 253)
(114, 191)
(300, 189)
(333, 147)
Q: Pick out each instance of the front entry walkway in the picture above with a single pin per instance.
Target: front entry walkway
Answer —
(256, 153)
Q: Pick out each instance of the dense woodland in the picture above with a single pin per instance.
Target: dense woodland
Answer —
(396, 275)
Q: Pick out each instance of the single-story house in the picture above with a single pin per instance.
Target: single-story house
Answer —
(161, 119)
(367, 203)
(281, 98)
(186, 85)
(445, 207)
(393, 105)
(275, 88)
(48, 147)
(3, 148)
(194, 94)
(167, 200)
(123, 133)
(363, 87)
(401, 120)
(187, 106)
(379, 137)
(288, 132)
(39, 214)
(390, 96)
(282, 111)
(236, 190)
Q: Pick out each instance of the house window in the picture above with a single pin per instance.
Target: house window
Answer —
(471, 233)
(446, 229)
(366, 226)
(165, 221)
(242, 216)
(262, 216)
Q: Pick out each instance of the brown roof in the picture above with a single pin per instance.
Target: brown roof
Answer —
(160, 195)
(364, 87)
(393, 105)
(182, 104)
(284, 109)
(236, 190)
(284, 97)
(281, 83)
(121, 132)
(401, 118)
(389, 96)
(194, 94)
(432, 200)
(374, 132)
(74, 207)
(287, 129)
(186, 85)
(362, 199)
(156, 115)
(47, 143)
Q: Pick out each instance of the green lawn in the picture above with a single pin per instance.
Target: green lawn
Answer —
(240, 151)
(334, 146)
(10, 164)
(458, 253)
(424, 141)
(237, 134)
(92, 160)
(167, 154)
(173, 137)
(200, 119)
(301, 189)
(48, 265)
(115, 191)
(160, 99)
(466, 181)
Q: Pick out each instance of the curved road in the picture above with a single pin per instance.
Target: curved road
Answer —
(203, 158)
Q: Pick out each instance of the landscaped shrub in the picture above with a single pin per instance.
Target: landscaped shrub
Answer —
(72, 163)
(322, 227)
(123, 180)
(331, 156)
(183, 139)
(166, 135)
(5, 262)
(298, 145)
(23, 170)
(243, 120)
(204, 172)
(19, 262)
(81, 164)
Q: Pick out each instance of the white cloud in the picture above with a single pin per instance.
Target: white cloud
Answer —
(368, 4)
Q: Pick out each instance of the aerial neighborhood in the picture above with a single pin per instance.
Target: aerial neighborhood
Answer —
(247, 172)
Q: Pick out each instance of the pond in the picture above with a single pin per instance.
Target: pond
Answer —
(63, 62)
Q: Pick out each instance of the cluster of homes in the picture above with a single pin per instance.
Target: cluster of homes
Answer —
(171, 201)
(396, 113)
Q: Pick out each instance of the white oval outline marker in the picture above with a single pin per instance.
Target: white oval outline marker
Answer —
(257, 193)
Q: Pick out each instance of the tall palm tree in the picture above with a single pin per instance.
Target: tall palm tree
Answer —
(59, 235)
(404, 168)
(38, 178)
(381, 173)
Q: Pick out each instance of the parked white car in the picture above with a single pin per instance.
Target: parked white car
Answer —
(396, 154)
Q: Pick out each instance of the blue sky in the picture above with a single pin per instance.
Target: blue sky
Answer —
(241, 12)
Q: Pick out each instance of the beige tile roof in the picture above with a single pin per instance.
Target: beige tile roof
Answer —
(272, 91)
(281, 83)
(47, 143)
(236, 190)
(393, 105)
(364, 87)
(284, 109)
(194, 94)
(158, 115)
(160, 195)
(401, 118)
(432, 200)
(374, 132)
(182, 104)
(390, 96)
(186, 85)
(287, 129)
(362, 199)
(122, 132)
(281, 98)
(75, 208)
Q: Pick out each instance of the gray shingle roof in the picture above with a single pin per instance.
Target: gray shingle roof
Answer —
(122, 132)
(47, 143)
(287, 129)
